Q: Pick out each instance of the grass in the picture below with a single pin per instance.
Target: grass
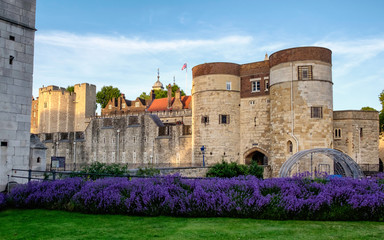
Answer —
(49, 224)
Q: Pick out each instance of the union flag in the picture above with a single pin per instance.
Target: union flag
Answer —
(184, 66)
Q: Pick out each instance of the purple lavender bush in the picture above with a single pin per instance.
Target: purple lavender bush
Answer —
(299, 197)
(46, 194)
(3, 201)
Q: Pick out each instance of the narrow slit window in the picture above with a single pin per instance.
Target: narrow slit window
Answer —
(12, 38)
(11, 59)
(223, 119)
(205, 119)
(228, 85)
(266, 85)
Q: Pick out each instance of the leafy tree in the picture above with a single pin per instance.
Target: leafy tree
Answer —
(368, 109)
(70, 88)
(145, 96)
(105, 94)
(160, 93)
(381, 98)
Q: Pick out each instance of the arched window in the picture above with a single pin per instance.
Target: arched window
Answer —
(289, 147)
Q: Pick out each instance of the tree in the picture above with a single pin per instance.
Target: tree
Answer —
(70, 88)
(381, 115)
(160, 93)
(145, 96)
(368, 109)
(105, 94)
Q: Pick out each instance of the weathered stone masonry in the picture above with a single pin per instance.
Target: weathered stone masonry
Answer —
(17, 32)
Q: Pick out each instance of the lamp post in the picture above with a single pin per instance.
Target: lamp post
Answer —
(203, 152)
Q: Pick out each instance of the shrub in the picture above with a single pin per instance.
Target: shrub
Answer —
(148, 172)
(228, 170)
(3, 201)
(96, 170)
(246, 196)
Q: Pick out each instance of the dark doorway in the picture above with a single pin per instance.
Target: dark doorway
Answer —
(381, 165)
(260, 158)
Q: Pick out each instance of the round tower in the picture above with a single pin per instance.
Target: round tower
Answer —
(301, 102)
(216, 113)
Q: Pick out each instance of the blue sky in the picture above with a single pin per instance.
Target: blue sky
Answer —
(122, 43)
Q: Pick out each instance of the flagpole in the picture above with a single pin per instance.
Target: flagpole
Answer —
(186, 80)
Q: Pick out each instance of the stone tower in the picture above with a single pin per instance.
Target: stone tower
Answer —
(17, 27)
(216, 112)
(62, 111)
(301, 102)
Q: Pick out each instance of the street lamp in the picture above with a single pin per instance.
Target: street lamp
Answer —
(203, 152)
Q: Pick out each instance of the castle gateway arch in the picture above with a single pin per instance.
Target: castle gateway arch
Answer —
(342, 163)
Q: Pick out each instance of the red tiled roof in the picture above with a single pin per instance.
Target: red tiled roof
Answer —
(161, 104)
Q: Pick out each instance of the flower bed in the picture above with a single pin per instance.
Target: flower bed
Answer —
(2, 201)
(280, 198)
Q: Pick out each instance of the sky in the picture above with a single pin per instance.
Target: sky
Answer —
(123, 43)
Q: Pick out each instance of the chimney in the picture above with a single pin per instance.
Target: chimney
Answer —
(177, 94)
(169, 96)
(152, 97)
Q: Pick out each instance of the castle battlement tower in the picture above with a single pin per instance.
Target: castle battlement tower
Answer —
(216, 112)
(301, 102)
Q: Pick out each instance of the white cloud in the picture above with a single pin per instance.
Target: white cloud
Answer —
(131, 63)
(63, 59)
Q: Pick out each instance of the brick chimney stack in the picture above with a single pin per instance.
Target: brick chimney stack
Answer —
(177, 94)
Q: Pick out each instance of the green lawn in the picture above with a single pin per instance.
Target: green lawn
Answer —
(45, 224)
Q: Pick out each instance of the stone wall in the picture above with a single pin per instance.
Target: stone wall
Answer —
(359, 135)
(293, 125)
(17, 32)
(134, 139)
(211, 100)
(62, 111)
(254, 127)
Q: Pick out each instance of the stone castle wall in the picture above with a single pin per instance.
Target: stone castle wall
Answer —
(292, 101)
(254, 127)
(211, 99)
(359, 135)
(289, 112)
(133, 139)
(62, 111)
(17, 33)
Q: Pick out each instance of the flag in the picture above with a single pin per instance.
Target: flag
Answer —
(184, 66)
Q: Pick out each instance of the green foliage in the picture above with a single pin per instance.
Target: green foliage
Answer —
(160, 93)
(70, 88)
(144, 95)
(105, 94)
(228, 170)
(148, 172)
(368, 109)
(101, 169)
(256, 170)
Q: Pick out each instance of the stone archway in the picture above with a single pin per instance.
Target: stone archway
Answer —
(344, 165)
(257, 155)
